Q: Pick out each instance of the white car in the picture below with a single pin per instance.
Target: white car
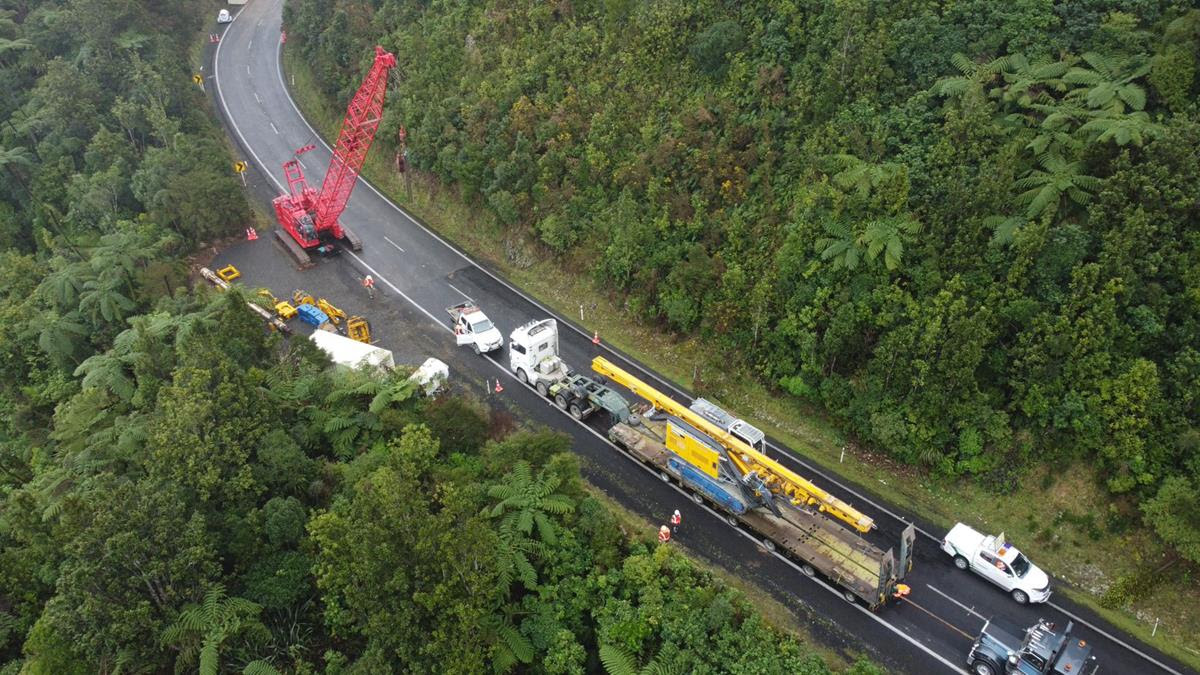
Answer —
(994, 559)
(472, 327)
(224, 16)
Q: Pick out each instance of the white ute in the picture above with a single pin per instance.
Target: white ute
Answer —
(533, 355)
(994, 559)
(472, 327)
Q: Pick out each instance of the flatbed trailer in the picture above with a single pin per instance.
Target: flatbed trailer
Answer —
(861, 570)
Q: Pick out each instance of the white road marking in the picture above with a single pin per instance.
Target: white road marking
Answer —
(273, 127)
(393, 244)
(459, 292)
(249, 45)
(580, 331)
(969, 610)
(256, 98)
(300, 163)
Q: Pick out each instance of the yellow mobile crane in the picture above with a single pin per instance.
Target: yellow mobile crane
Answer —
(768, 478)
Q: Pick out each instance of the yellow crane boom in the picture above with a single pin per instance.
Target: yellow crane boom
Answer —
(777, 478)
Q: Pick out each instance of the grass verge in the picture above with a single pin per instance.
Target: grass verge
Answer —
(1061, 518)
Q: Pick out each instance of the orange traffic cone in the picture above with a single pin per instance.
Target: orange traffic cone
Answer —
(251, 235)
(596, 338)
(498, 387)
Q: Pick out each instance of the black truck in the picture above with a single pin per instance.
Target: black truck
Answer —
(1004, 648)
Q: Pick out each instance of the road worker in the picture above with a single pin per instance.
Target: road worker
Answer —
(676, 519)
(664, 534)
(368, 283)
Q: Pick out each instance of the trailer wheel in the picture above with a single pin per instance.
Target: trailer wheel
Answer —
(575, 411)
(560, 401)
(849, 597)
(698, 498)
(543, 388)
(666, 477)
(522, 376)
(732, 520)
(769, 545)
(808, 570)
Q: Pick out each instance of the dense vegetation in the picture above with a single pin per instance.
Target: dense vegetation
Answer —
(181, 490)
(966, 228)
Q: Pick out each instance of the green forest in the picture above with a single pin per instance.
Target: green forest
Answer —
(965, 229)
(182, 491)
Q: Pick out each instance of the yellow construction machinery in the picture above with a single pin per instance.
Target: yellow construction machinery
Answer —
(358, 329)
(335, 315)
(283, 308)
(228, 273)
(300, 297)
(769, 478)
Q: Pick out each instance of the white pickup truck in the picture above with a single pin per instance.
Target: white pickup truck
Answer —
(472, 327)
(994, 559)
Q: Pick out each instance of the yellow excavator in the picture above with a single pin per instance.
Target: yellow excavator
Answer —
(770, 479)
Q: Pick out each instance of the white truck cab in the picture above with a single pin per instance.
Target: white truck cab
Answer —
(994, 559)
(472, 327)
(533, 355)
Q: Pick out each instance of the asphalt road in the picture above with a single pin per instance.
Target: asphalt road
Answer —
(418, 275)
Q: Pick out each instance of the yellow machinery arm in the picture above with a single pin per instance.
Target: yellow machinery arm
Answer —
(777, 478)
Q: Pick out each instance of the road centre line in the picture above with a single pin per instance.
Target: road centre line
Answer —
(459, 292)
(968, 609)
(393, 244)
(666, 384)
(256, 98)
(273, 128)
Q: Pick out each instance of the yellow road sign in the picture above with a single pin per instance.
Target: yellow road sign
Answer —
(198, 78)
(239, 167)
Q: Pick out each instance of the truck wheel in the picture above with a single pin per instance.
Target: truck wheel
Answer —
(575, 411)
(560, 401)
(849, 597)
(1020, 596)
(475, 346)
(962, 564)
(732, 520)
(698, 498)
(522, 376)
(982, 668)
(543, 388)
(808, 570)
(664, 476)
(769, 545)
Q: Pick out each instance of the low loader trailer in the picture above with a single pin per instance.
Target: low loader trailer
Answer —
(681, 454)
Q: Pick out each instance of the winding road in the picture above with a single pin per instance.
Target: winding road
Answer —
(418, 271)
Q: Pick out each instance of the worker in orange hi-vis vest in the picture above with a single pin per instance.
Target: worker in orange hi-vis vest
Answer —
(676, 519)
(664, 534)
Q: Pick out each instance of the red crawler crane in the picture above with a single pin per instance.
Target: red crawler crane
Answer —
(311, 217)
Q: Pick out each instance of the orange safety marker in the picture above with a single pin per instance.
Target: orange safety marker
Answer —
(283, 36)
(214, 38)
(498, 387)
(251, 235)
(596, 338)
